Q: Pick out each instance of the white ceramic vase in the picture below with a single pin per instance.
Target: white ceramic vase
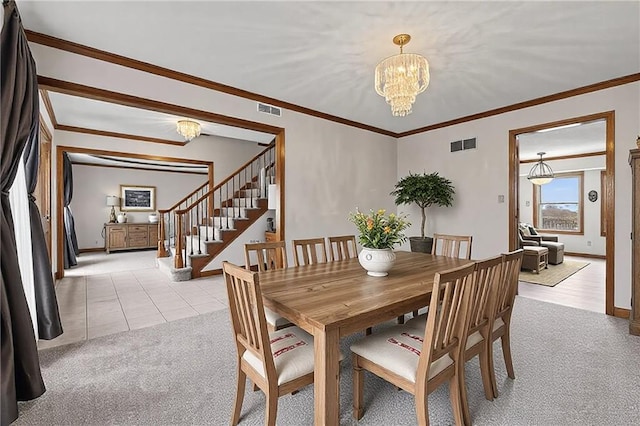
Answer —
(377, 262)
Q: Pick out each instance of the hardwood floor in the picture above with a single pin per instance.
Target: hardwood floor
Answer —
(583, 290)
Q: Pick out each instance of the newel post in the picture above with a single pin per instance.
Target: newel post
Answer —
(162, 251)
(178, 261)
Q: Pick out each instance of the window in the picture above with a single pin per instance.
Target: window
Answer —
(558, 204)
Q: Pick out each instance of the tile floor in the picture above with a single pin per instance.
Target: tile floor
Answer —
(111, 293)
(583, 290)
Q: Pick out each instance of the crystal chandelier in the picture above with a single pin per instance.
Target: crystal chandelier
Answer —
(189, 129)
(541, 173)
(400, 78)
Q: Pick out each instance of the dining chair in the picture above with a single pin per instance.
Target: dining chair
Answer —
(451, 245)
(272, 255)
(278, 363)
(487, 275)
(310, 251)
(343, 247)
(505, 298)
(419, 361)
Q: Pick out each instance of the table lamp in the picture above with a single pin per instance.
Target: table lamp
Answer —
(112, 201)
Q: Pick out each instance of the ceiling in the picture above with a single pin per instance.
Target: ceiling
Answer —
(321, 55)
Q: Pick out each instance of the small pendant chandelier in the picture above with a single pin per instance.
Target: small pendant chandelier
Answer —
(188, 129)
(541, 173)
(400, 78)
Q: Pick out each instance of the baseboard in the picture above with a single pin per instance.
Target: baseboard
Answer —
(210, 272)
(91, 250)
(621, 312)
(592, 256)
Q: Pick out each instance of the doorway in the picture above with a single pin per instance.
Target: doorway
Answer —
(43, 185)
(607, 190)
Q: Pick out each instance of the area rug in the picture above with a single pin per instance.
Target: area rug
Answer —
(554, 274)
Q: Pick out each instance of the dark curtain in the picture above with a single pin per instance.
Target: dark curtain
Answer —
(49, 325)
(21, 378)
(70, 240)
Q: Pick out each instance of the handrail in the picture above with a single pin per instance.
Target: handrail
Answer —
(245, 165)
(184, 199)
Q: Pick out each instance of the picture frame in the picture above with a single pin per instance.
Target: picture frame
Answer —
(137, 198)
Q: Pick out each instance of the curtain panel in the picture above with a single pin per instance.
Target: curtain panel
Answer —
(21, 377)
(70, 240)
(49, 325)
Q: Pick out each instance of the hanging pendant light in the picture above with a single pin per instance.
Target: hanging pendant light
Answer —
(541, 173)
(400, 78)
(188, 129)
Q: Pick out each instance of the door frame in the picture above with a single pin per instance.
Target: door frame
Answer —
(609, 195)
(44, 178)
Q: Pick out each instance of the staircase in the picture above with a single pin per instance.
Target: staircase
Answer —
(194, 231)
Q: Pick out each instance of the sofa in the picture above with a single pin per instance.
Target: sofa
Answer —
(530, 237)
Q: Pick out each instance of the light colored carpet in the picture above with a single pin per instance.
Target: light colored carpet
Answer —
(554, 274)
(572, 367)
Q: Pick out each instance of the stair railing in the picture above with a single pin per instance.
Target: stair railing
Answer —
(216, 209)
(170, 213)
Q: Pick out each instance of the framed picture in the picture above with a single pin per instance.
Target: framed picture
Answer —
(137, 198)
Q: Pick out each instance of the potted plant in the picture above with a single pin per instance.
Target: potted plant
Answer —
(424, 190)
(378, 235)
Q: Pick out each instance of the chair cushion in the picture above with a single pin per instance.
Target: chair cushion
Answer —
(419, 324)
(274, 319)
(398, 350)
(292, 350)
(498, 323)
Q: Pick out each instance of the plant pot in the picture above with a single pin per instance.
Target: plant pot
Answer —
(421, 245)
(377, 262)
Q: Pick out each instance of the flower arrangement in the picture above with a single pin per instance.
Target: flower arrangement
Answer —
(378, 231)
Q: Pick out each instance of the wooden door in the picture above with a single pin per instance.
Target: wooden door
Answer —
(43, 186)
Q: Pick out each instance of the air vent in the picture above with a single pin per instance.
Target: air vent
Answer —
(469, 143)
(269, 109)
(463, 144)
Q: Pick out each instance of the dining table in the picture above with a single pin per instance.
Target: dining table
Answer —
(336, 299)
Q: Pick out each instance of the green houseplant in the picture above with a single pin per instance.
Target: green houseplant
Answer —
(424, 190)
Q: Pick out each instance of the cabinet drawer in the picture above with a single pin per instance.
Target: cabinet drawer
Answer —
(137, 241)
(138, 228)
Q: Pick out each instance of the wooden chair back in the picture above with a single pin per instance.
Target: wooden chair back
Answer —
(488, 274)
(247, 315)
(309, 251)
(270, 255)
(506, 293)
(446, 320)
(343, 247)
(451, 245)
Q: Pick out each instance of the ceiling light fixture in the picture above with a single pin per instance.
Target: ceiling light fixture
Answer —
(541, 173)
(188, 129)
(400, 78)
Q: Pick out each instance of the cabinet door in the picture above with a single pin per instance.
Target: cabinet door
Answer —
(117, 237)
(153, 235)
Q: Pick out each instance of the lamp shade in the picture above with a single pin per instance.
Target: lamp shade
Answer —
(272, 195)
(540, 173)
(112, 200)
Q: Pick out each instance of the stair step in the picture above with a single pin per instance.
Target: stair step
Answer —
(245, 202)
(235, 212)
(251, 192)
(221, 222)
(213, 232)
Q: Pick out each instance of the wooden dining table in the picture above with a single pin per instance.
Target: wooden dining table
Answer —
(336, 299)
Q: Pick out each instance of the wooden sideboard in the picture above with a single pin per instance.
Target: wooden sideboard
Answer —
(634, 318)
(129, 236)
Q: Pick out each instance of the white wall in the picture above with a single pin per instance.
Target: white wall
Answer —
(330, 168)
(482, 174)
(92, 184)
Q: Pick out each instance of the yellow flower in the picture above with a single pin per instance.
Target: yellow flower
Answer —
(381, 212)
(369, 224)
(387, 229)
(392, 216)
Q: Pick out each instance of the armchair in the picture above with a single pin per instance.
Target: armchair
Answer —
(529, 237)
